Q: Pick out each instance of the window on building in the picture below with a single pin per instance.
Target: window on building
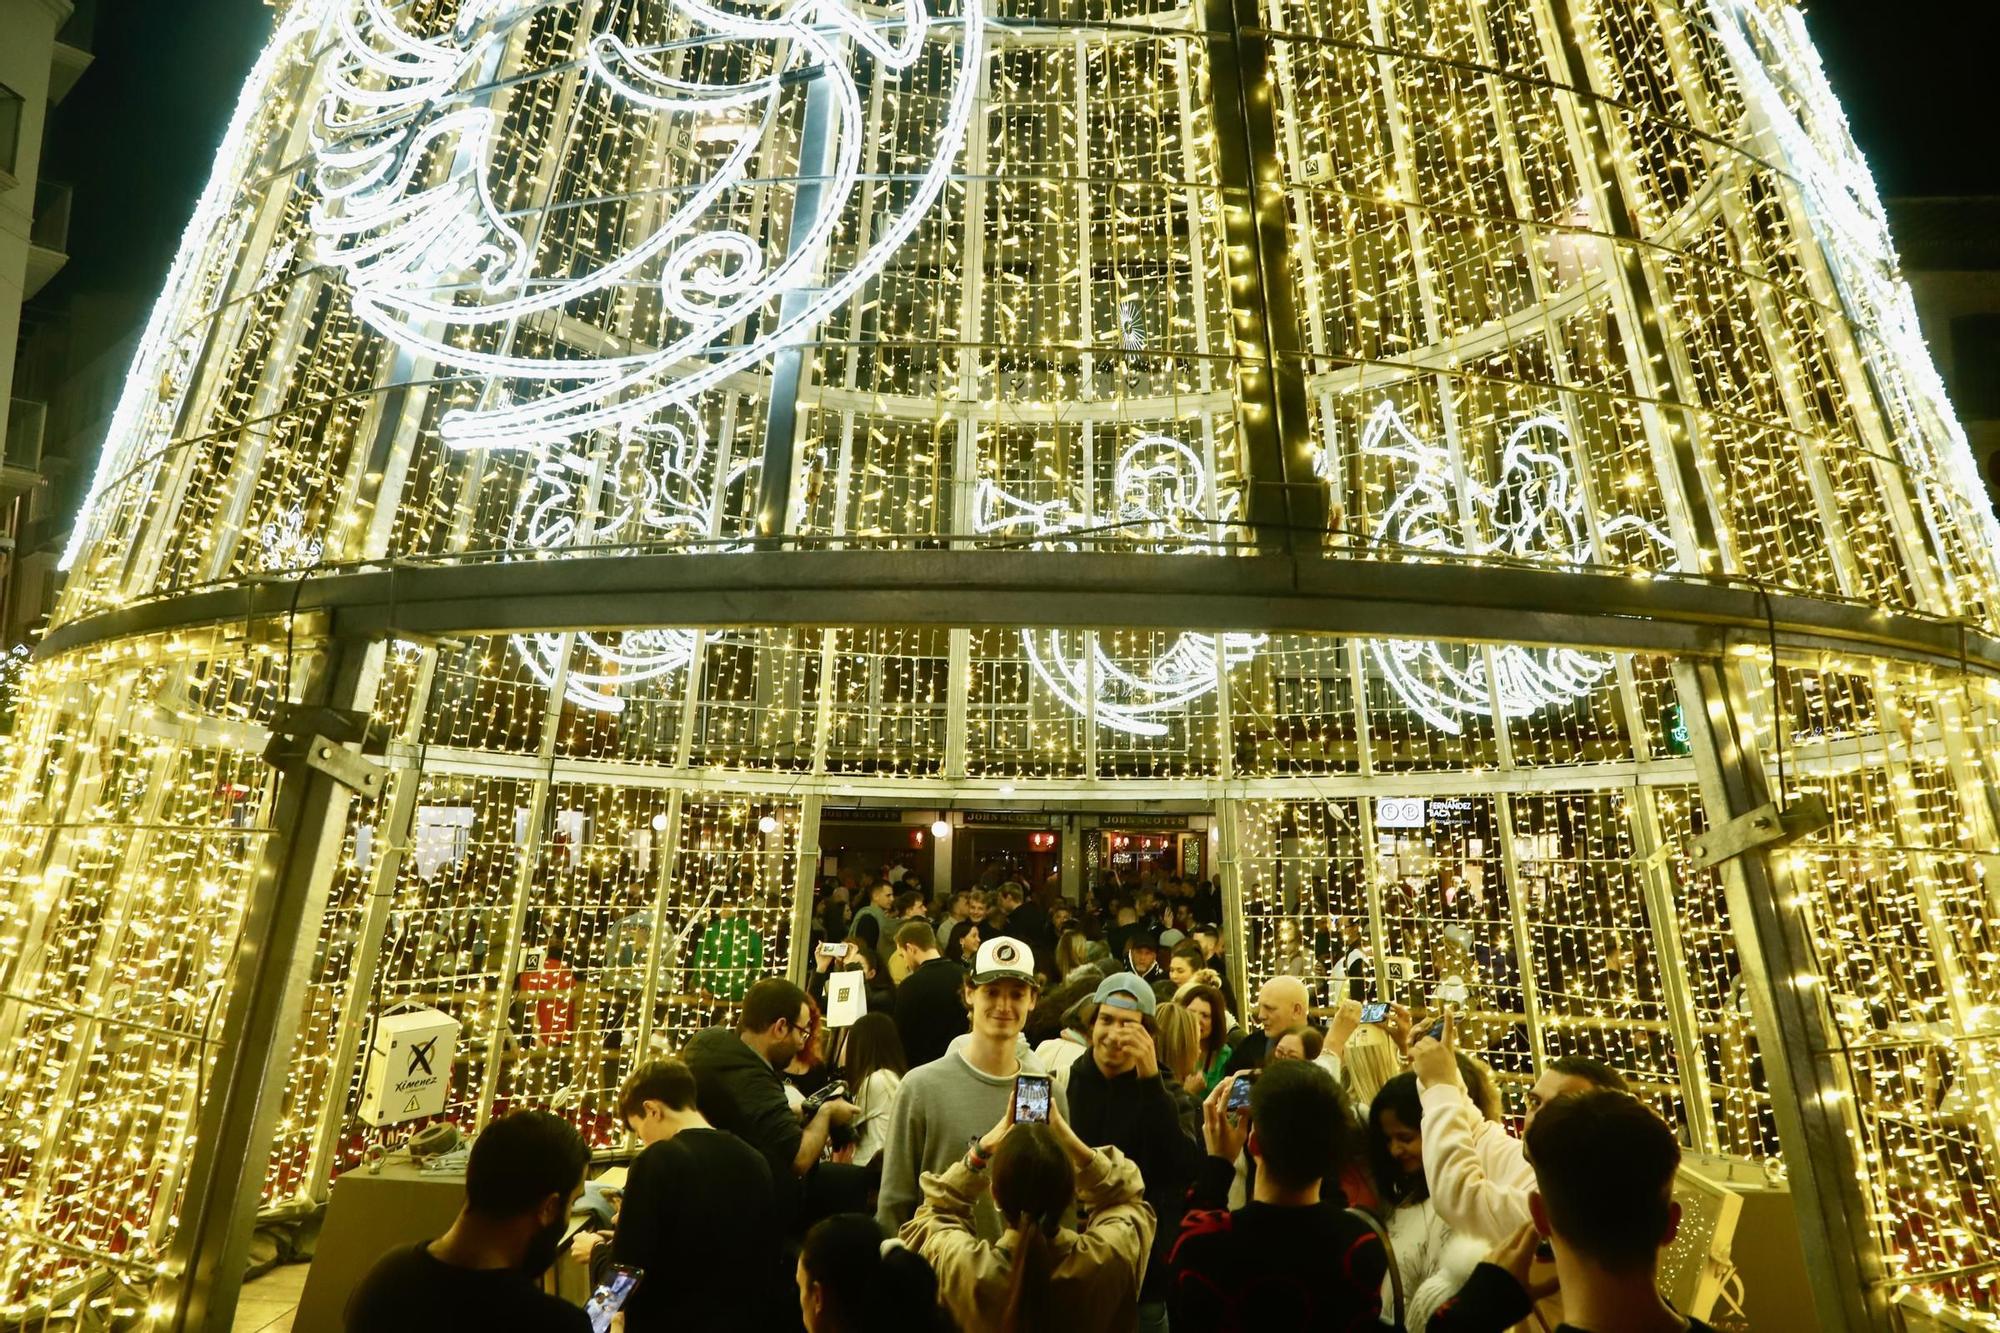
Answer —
(1975, 364)
(12, 107)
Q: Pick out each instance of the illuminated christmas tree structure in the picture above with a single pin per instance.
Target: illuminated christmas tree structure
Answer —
(1476, 458)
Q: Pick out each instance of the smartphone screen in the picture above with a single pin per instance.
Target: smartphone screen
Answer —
(1031, 1100)
(1239, 1095)
(833, 951)
(1374, 1011)
(1437, 1030)
(609, 1298)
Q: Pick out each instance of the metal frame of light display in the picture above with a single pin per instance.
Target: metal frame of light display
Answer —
(580, 441)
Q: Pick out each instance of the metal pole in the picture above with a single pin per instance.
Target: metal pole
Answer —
(1371, 882)
(789, 366)
(1652, 854)
(1274, 417)
(225, 1178)
(806, 872)
(1229, 868)
(1810, 1094)
(656, 943)
(1517, 913)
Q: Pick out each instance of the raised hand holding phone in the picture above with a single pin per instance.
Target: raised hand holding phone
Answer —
(1223, 1129)
(1432, 1058)
(1032, 1099)
(1347, 1016)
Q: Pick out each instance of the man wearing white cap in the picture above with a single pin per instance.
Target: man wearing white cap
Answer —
(942, 1107)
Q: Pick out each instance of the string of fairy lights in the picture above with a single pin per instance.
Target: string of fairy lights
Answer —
(506, 280)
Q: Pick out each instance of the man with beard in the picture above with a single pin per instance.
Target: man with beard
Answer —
(738, 1090)
(524, 1172)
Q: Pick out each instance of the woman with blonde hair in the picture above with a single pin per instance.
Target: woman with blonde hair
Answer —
(1368, 1061)
(1177, 1035)
(1040, 1275)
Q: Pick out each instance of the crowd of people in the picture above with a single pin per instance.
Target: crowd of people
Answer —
(1049, 1118)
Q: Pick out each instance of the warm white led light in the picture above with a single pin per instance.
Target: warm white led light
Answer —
(432, 263)
(1161, 504)
(1534, 511)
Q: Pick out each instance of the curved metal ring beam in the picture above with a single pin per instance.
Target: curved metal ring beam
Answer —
(1321, 595)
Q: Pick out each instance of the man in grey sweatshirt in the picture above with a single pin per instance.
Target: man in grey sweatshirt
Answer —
(943, 1106)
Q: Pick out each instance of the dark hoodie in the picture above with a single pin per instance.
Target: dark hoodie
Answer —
(738, 1092)
(1140, 1118)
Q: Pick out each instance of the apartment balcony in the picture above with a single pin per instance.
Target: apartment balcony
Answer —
(21, 465)
(71, 56)
(48, 236)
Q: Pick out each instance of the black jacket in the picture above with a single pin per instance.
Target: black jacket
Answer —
(739, 1093)
(1031, 924)
(929, 1010)
(1249, 1054)
(1140, 1118)
(698, 1217)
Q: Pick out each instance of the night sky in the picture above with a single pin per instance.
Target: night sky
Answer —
(137, 134)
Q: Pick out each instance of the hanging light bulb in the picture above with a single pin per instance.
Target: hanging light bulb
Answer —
(768, 824)
(941, 829)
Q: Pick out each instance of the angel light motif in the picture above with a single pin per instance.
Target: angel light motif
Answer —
(408, 145)
(657, 487)
(1161, 502)
(1534, 511)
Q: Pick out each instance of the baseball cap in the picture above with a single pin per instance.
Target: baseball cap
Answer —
(1003, 956)
(1169, 938)
(1127, 990)
(1144, 937)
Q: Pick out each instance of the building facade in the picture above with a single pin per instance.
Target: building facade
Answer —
(40, 62)
(1476, 460)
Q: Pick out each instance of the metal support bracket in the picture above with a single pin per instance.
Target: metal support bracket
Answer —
(1766, 826)
(346, 767)
(318, 737)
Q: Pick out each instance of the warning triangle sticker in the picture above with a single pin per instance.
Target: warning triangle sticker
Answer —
(414, 1106)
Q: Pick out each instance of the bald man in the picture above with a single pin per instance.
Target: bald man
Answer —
(1281, 1008)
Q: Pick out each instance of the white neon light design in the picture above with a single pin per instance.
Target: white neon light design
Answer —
(164, 362)
(1162, 495)
(657, 490)
(433, 261)
(287, 545)
(1812, 136)
(1534, 511)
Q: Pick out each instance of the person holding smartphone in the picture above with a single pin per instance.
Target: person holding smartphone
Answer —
(953, 1100)
(1041, 1275)
(699, 1217)
(1294, 1256)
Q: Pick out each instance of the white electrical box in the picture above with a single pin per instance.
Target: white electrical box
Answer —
(409, 1066)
